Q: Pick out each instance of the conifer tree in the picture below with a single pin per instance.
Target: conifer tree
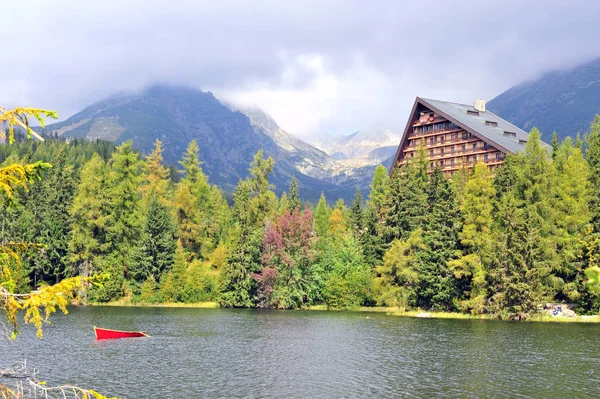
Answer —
(54, 231)
(570, 203)
(356, 215)
(124, 221)
(238, 286)
(476, 239)
(405, 202)
(156, 175)
(322, 215)
(89, 237)
(284, 205)
(191, 199)
(436, 286)
(294, 197)
(262, 199)
(158, 246)
(378, 187)
(593, 160)
(555, 144)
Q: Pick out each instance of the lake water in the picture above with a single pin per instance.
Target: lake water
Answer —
(225, 353)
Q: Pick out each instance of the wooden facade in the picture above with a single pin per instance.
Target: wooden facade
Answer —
(448, 143)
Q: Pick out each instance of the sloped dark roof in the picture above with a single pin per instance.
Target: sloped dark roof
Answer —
(494, 134)
(497, 132)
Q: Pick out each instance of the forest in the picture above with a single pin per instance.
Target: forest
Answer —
(477, 243)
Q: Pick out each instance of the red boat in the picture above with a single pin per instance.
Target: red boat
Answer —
(103, 333)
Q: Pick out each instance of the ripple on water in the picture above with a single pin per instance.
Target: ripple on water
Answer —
(220, 353)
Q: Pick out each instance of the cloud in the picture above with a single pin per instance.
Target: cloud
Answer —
(316, 66)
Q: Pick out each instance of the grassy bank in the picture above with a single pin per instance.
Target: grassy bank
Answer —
(391, 311)
(202, 305)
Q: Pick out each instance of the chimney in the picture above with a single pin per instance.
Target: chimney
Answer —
(479, 105)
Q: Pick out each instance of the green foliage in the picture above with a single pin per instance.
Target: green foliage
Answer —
(478, 243)
(294, 202)
(397, 278)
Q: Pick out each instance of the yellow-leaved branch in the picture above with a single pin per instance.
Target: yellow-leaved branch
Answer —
(20, 117)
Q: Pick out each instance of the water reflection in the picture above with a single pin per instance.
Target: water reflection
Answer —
(276, 354)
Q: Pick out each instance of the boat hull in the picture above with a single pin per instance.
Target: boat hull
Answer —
(103, 333)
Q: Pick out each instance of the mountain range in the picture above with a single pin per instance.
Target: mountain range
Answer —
(228, 137)
(564, 101)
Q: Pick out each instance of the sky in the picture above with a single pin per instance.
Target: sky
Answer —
(317, 67)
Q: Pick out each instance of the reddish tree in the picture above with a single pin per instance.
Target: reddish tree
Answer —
(285, 281)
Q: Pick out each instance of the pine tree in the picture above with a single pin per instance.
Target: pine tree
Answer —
(476, 239)
(436, 285)
(378, 188)
(158, 247)
(263, 200)
(356, 215)
(322, 215)
(294, 197)
(124, 221)
(238, 285)
(372, 243)
(284, 205)
(397, 277)
(570, 203)
(156, 175)
(555, 144)
(89, 238)
(54, 230)
(593, 160)
(191, 201)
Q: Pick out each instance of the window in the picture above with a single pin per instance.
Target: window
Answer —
(431, 165)
(486, 146)
(475, 146)
(452, 149)
(510, 134)
(453, 136)
(464, 148)
(485, 157)
(452, 162)
(470, 112)
(442, 139)
(441, 163)
(464, 135)
(432, 140)
(431, 153)
(442, 151)
(412, 154)
(491, 123)
(497, 155)
(474, 158)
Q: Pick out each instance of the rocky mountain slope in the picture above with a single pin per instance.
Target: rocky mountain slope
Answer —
(561, 101)
(227, 139)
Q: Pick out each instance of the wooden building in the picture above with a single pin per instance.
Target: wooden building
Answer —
(456, 134)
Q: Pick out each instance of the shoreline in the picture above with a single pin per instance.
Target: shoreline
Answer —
(389, 311)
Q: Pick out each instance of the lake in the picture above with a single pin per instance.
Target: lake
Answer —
(230, 353)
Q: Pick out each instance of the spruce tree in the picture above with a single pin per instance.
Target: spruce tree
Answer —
(436, 285)
(89, 236)
(294, 197)
(125, 220)
(54, 230)
(593, 160)
(356, 215)
(238, 284)
(158, 247)
(405, 202)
